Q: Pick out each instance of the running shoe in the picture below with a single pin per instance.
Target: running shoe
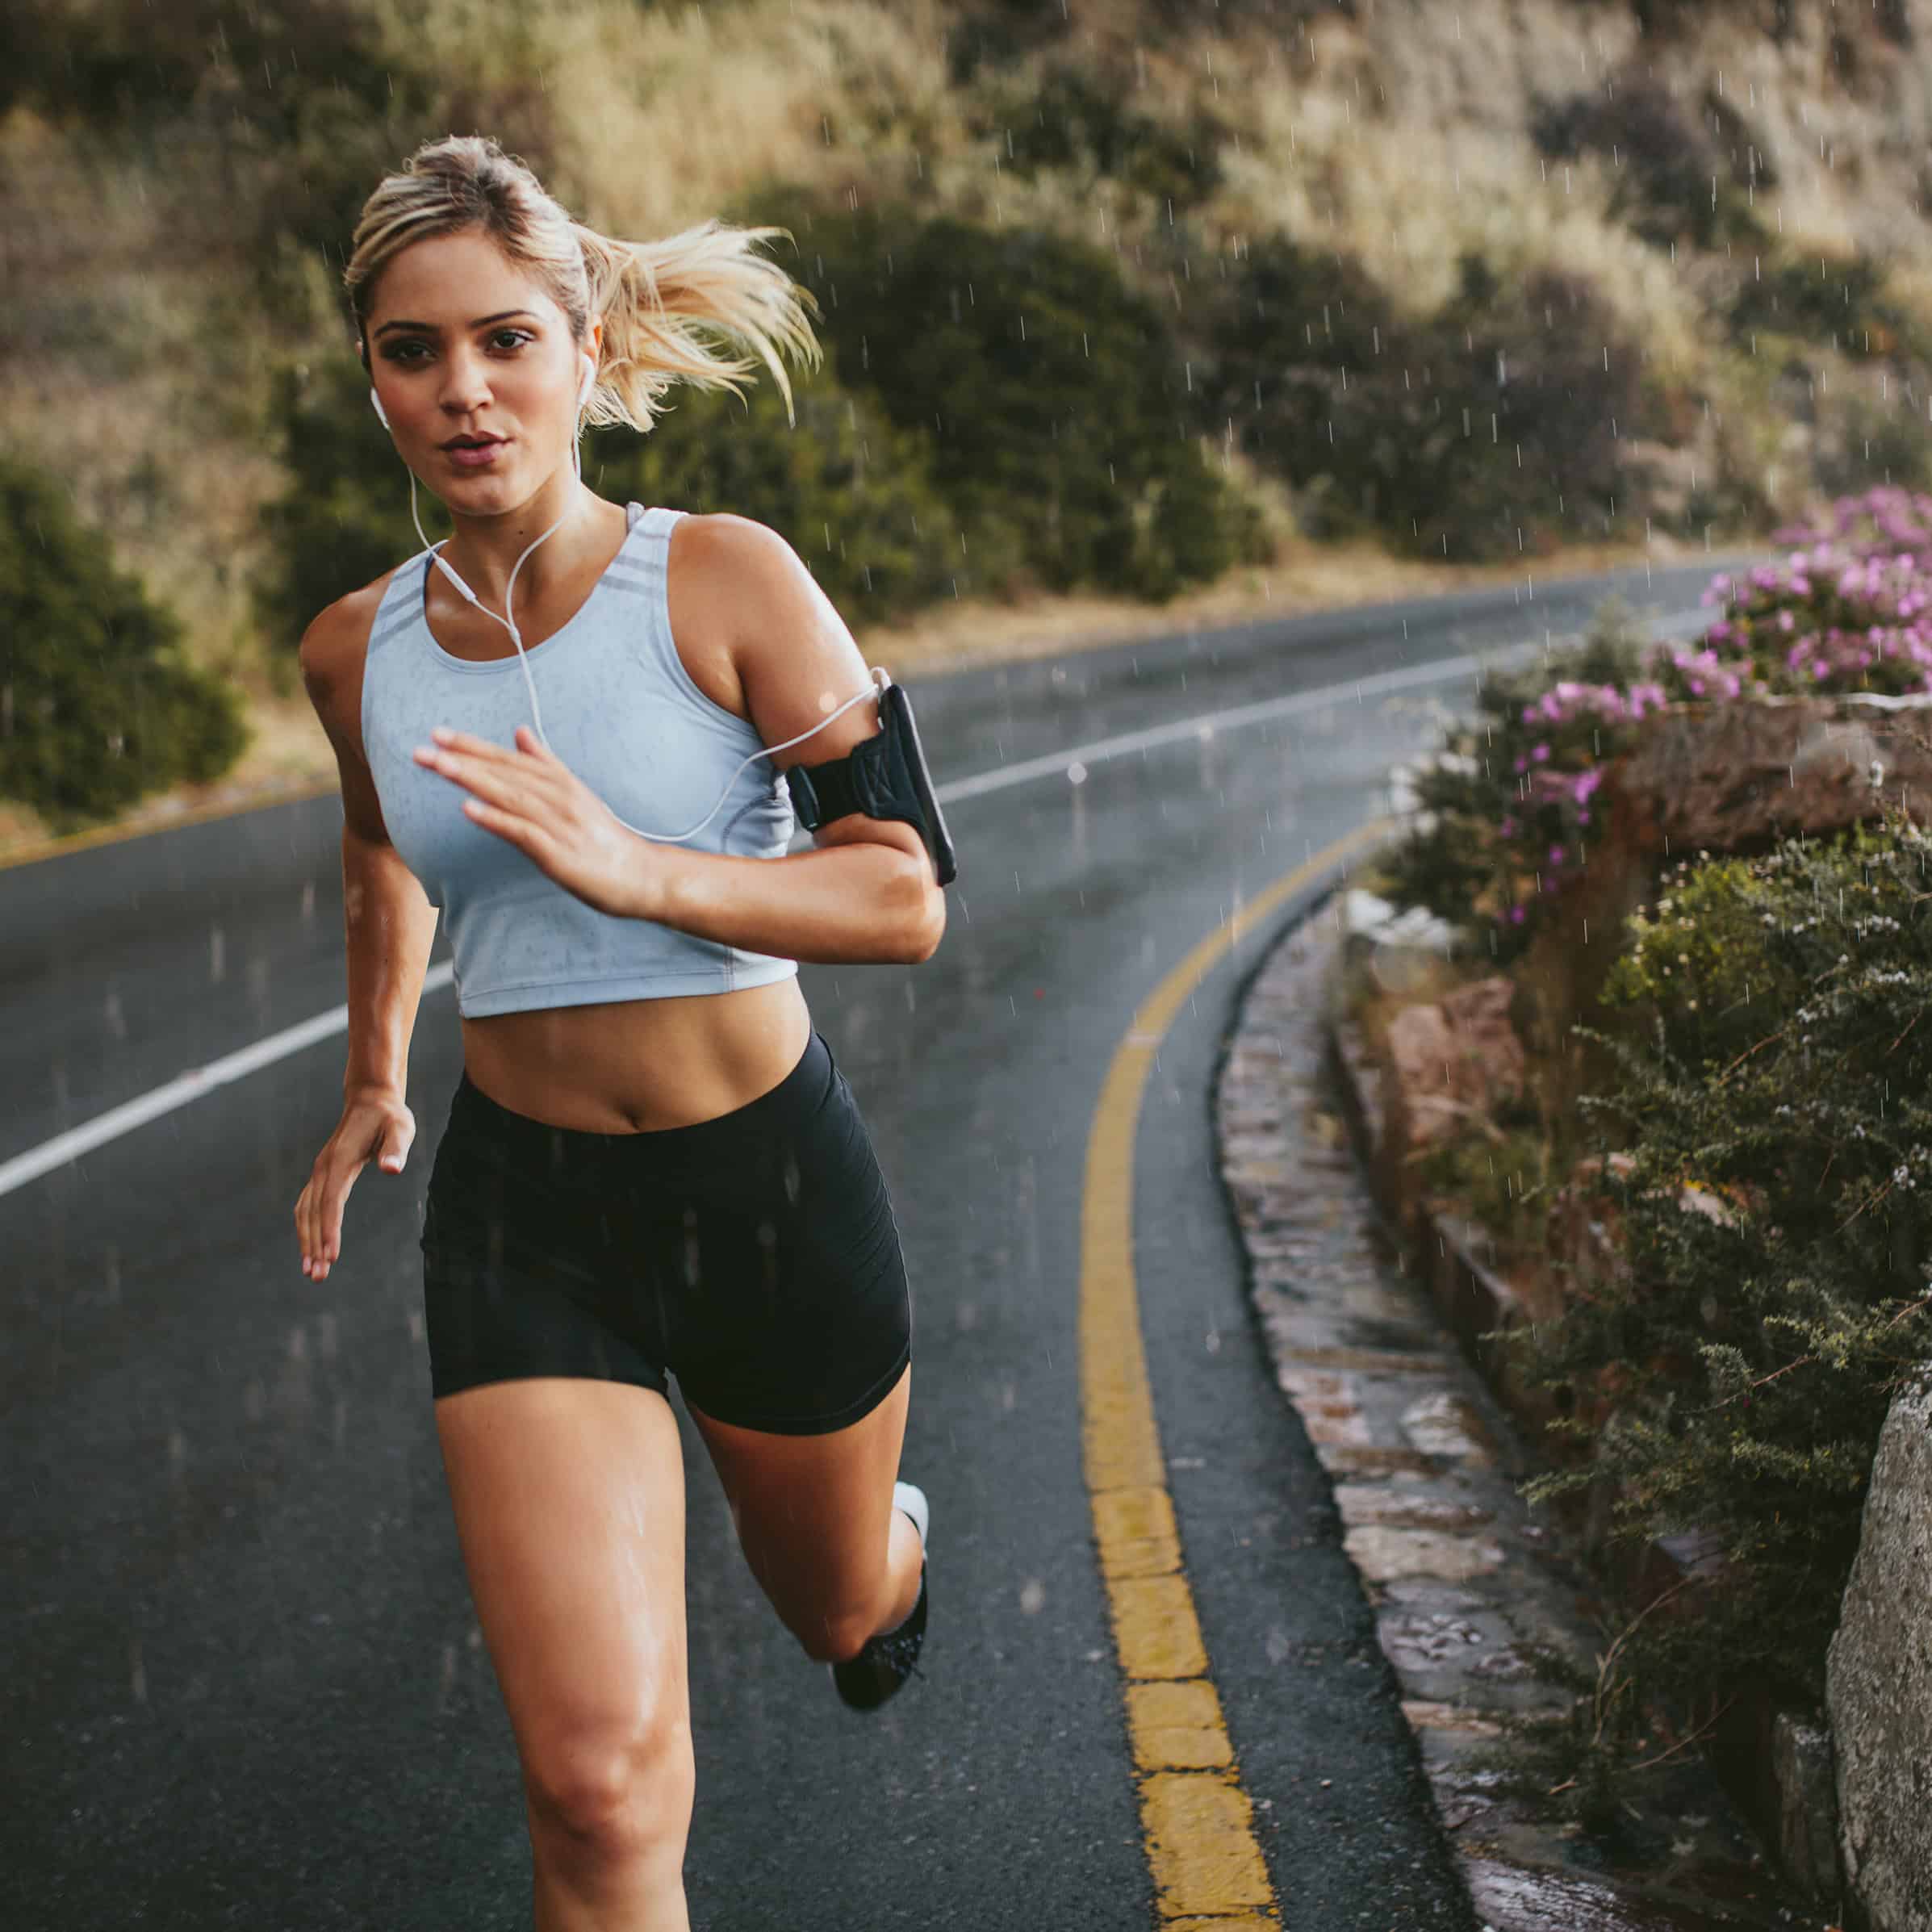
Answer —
(865, 1682)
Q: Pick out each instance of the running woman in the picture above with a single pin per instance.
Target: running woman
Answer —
(651, 1165)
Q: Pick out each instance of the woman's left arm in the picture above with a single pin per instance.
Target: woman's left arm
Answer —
(868, 894)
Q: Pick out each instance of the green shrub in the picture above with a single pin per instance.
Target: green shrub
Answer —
(1736, 1384)
(1674, 180)
(1490, 429)
(1055, 394)
(97, 706)
(1078, 116)
(1843, 303)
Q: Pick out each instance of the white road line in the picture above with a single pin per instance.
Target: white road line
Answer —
(178, 1092)
(69, 1146)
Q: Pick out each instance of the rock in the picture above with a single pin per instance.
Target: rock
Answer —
(1734, 776)
(1807, 1805)
(1449, 1058)
(1878, 1682)
(1364, 915)
(1368, 916)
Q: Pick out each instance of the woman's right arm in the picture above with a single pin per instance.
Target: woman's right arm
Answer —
(390, 925)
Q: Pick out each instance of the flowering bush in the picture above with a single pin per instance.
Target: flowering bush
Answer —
(1849, 609)
(1506, 811)
(1505, 817)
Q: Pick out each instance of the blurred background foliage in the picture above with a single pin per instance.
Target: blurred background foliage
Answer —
(97, 704)
(1115, 301)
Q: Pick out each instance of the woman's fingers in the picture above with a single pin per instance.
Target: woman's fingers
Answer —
(319, 1213)
(380, 1131)
(490, 779)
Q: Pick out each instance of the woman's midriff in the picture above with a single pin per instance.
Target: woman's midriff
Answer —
(640, 1066)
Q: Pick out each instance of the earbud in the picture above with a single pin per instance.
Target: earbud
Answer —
(377, 401)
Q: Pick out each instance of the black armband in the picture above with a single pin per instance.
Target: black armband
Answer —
(885, 777)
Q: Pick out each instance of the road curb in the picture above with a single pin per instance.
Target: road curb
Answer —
(1467, 1585)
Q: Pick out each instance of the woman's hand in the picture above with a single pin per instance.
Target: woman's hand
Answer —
(529, 796)
(374, 1124)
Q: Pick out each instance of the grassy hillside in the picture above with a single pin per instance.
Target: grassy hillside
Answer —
(1453, 285)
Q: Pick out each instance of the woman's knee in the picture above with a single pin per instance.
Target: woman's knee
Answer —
(616, 1795)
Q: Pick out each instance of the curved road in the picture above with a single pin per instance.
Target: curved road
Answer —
(245, 1688)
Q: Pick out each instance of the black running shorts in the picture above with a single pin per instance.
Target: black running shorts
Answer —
(753, 1256)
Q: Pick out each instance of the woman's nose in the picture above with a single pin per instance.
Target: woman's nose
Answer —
(466, 387)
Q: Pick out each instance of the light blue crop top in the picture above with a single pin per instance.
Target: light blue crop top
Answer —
(623, 711)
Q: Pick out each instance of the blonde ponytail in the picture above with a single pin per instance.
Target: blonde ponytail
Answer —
(655, 297)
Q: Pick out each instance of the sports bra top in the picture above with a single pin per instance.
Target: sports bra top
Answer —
(623, 711)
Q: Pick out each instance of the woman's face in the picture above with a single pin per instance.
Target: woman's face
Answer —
(476, 371)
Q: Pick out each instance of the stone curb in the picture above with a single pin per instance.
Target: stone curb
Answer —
(1468, 1587)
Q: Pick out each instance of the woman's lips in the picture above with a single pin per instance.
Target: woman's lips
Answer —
(473, 456)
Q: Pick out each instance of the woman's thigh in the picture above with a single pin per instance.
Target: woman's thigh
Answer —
(814, 1513)
(569, 1499)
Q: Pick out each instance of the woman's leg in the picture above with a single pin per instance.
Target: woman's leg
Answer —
(815, 1518)
(569, 1496)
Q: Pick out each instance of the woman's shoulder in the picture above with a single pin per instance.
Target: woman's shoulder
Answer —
(337, 636)
(717, 557)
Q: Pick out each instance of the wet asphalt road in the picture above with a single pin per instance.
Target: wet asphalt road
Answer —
(244, 1684)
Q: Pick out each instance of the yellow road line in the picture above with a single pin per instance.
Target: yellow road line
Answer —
(1209, 1874)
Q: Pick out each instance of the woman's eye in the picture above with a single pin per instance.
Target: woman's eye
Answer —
(502, 338)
